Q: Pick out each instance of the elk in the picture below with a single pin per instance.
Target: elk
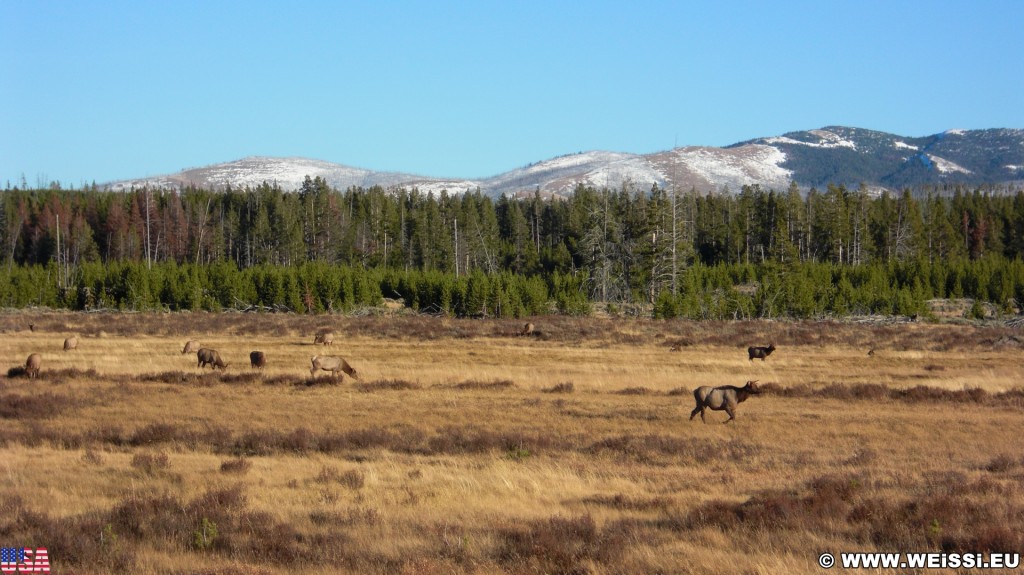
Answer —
(332, 364)
(527, 329)
(726, 397)
(257, 359)
(760, 352)
(32, 365)
(191, 346)
(71, 343)
(326, 338)
(210, 357)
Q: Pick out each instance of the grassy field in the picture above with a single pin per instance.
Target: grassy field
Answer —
(463, 448)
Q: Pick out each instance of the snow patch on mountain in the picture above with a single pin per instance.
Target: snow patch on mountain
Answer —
(945, 166)
(738, 167)
(904, 145)
(826, 139)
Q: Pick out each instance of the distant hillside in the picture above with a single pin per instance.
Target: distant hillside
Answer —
(852, 155)
(831, 155)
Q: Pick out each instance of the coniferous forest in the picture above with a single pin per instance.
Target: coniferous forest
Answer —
(754, 253)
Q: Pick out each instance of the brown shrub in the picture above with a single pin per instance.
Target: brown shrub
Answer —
(351, 478)
(270, 541)
(90, 457)
(70, 373)
(149, 518)
(286, 380)
(150, 464)
(470, 439)
(397, 438)
(475, 384)
(972, 517)
(17, 371)
(157, 433)
(560, 545)
(240, 378)
(627, 503)
(37, 406)
(635, 391)
(564, 387)
(771, 388)
(352, 516)
(228, 570)
(387, 385)
(649, 448)
(828, 498)
(238, 465)
(1002, 463)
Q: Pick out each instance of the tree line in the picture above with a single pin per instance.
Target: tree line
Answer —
(753, 253)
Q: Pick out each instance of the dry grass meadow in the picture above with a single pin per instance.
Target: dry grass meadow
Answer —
(466, 449)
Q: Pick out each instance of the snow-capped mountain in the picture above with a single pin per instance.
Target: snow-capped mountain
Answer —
(831, 155)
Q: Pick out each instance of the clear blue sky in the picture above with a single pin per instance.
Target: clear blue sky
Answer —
(99, 91)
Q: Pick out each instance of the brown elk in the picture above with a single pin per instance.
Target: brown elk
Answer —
(760, 352)
(191, 346)
(71, 343)
(332, 364)
(32, 365)
(257, 359)
(326, 338)
(726, 397)
(527, 329)
(210, 357)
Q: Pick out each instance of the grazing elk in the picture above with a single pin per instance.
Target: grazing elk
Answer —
(527, 329)
(71, 343)
(257, 359)
(191, 346)
(760, 352)
(326, 338)
(32, 365)
(210, 357)
(332, 364)
(726, 397)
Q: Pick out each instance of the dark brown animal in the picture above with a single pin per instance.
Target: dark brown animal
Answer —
(726, 397)
(191, 346)
(326, 338)
(210, 357)
(71, 343)
(32, 365)
(527, 329)
(760, 352)
(258, 359)
(332, 364)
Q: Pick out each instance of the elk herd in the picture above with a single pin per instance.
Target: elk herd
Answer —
(722, 398)
(258, 359)
(205, 356)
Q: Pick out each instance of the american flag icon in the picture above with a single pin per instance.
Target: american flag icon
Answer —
(24, 560)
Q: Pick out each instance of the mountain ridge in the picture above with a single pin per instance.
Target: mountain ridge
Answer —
(811, 158)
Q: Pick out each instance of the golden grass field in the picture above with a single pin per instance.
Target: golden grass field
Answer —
(464, 449)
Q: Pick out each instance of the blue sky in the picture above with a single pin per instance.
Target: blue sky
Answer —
(100, 91)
